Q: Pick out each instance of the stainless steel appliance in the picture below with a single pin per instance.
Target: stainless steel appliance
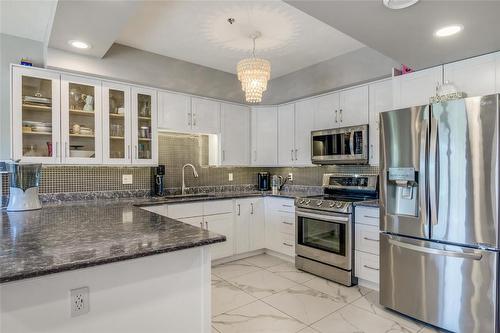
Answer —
(346, 145)
(159, 180)
(439, 247)
(325, 232)
(264, 181)
(24, 180)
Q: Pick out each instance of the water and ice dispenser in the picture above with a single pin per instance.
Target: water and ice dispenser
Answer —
(402, 191)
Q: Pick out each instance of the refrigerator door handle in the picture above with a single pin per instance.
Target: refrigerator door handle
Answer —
(351, 142)
(423, 170)
(412, 247)
(433, 171)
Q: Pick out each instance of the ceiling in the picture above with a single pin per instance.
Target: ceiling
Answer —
(407, 35)
(27, 19)
(198, 32)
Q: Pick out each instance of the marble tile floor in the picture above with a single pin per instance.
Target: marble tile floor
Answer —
(266, 294)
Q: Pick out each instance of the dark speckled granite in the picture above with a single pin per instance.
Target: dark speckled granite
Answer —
(69, 236)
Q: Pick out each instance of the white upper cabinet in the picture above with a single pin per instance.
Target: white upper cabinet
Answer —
(304, 124)
(264, 136)
(144, 126)
(326, 111)
(235, 134)
(81, 120)
(36, 116)
(416, 88)
(206, 115)
(174, 111)
(380, 101)
(475, 76)
(117, 122)
(353, 108)
(286, 134)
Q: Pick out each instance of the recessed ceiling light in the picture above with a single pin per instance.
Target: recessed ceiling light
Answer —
(448, 30)
(79, 44)
(399, 4)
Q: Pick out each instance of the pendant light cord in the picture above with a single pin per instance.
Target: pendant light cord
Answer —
(253, 51)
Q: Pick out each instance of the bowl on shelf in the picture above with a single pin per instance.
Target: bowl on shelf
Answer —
(81, 153)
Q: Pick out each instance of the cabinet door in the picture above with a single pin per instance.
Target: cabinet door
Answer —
(81, 120)
(35, 116)
(286, 129)
(475, 76)
(235, 135)
(223, 225)
(257, 224)
(304, 124)
(380, 101)
(326, 115)
(206, 115)
(174, 112)
(144, 127)
(264, 136)
(242, 226)
(416, 88)
(117, 121)
(353, 109)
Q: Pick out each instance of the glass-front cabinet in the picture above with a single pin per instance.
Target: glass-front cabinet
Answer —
(117, 132)
(144, 133)
(81, 120)
(35, 117)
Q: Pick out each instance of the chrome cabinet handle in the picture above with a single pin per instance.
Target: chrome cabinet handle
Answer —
(370, 239)
(370, 267)
(286, 244)
(371, 217)
(251, 205)
(66, 150)
(239, 209)
(289, 206)
(194, 119)
(255, 155)
(336, 116)
(190, 117)
(340, 115)
(371, 151)
(57, 149)
(201, 225)
(287, 223)
(206, 224)
(129, 152)
(296, 150)
(136, 152)
(291, 154)
(223, 155)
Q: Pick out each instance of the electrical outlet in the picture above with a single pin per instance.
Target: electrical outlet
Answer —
(127, 179)
(290, 177)
(79, 301)
(230, 176)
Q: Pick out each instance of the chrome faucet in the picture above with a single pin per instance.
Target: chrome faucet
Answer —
(195, 174)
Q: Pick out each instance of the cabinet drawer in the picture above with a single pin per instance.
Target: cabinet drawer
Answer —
(367, 266)
(281, 204)
(367, 238)
(177, 211)
(286, 244)
(367, 215)
(213, 207)
(286, 223)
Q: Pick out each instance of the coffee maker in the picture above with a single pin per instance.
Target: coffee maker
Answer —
(24, 181)
(263, 181)
(159, 179)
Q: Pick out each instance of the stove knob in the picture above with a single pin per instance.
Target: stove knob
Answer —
(307, 202)
(301, 201)
(332, 205)
(319, 203)
(339, 204)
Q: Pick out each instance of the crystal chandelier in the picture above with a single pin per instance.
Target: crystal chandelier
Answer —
(254, 74)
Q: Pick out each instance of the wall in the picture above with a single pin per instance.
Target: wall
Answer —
(12, 49)
(133, 65)
(356, 67)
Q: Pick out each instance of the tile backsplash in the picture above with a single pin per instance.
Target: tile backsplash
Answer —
(175, 150)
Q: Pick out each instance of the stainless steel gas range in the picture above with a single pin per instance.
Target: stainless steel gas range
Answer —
(325, 232)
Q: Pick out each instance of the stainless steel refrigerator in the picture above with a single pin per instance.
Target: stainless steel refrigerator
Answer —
(439, 197)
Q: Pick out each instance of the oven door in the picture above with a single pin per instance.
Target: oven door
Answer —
(324, 237)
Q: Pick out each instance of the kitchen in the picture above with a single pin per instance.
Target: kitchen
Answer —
(224, 178)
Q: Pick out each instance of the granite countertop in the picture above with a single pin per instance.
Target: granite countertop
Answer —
(368, 203)
(73, 235)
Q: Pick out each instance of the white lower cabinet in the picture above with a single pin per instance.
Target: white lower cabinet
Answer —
(366, 245)
(249, 224)
(280, 225)
(221, 224)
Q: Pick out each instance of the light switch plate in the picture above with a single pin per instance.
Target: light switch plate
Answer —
(290, 177)
(127, 179)
(230, 176)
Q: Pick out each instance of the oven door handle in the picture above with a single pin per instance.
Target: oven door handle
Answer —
(324, 217)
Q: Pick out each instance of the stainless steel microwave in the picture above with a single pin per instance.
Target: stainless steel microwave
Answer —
(346, 145)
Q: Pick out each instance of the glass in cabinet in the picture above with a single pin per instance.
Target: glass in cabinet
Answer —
(116, 124)
(35, 115)
(144, 126)
(81, 120)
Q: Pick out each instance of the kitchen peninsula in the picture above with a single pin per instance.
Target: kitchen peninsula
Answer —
(144, 272)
